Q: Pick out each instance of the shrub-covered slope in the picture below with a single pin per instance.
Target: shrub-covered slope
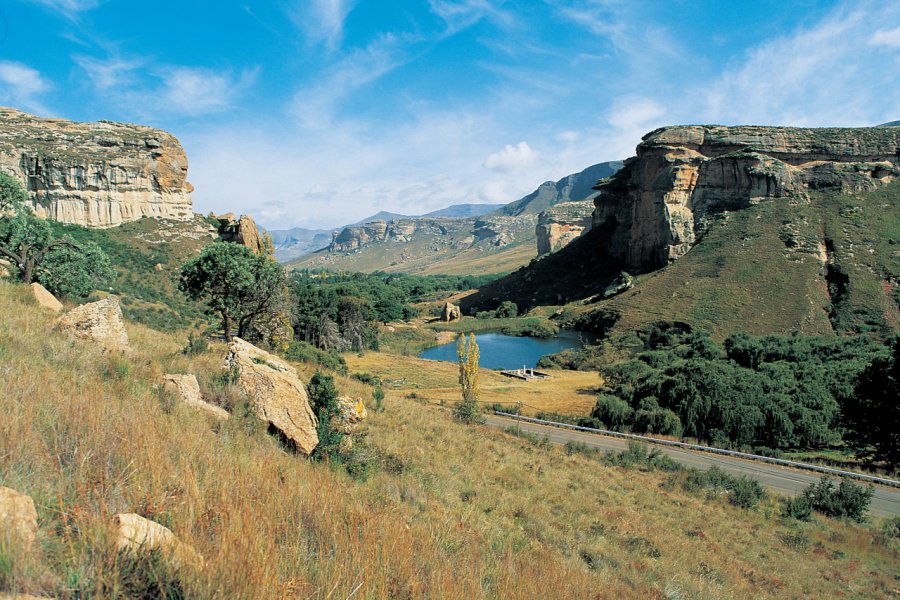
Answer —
(446, 510)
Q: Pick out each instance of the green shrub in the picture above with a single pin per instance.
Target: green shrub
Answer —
(612, 411)
(145, 575)
(745, 492)
(323, 398)
(366, 378)
(799, 509)
(378, 398)
(304, 352)
(844, 501)
(796, 540)
(891, 528)
(195, 345)
(506, 310)
(467, 412)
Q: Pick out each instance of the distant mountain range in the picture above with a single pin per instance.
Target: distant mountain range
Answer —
(460, 239)
(891, 124)
(291, 243)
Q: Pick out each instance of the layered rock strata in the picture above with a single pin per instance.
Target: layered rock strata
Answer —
(562, 224)
(243, 231)
(95, 174)
(654, 209)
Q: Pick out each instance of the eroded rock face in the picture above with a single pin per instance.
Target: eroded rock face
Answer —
(134, 533)
(652, 211)
(95, 174)
(451, 312)
(45, 298)
(276, 393)
(242, 231)
(562, 224)
(99, 322)
(18, 519)
(186, 389)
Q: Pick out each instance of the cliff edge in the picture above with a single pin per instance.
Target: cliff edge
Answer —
(95, 174)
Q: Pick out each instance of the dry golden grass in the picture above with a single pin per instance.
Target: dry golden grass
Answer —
(452, 512)
(567, 392)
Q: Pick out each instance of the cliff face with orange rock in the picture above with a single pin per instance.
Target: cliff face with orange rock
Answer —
(654, 209)
(98, 174)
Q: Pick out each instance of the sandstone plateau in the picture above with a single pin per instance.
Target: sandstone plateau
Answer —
(95, 174)
(653, 210)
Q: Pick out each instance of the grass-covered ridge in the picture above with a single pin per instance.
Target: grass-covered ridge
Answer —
(448, 511)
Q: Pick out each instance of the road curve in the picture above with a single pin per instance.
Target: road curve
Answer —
(782, 480)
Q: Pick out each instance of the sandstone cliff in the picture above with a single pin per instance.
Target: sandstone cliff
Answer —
(654, 209)
(95, 174)
(243, 231)
(562, 224)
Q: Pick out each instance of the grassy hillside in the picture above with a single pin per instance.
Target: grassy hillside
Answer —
(446, 511)
(828, 265)
(147, 255)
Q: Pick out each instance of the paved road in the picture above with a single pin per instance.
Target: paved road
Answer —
(782, 480)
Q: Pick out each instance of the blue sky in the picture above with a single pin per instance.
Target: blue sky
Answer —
(315, 113)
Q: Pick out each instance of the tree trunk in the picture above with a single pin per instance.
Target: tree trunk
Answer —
(226, 325)
(28, 271)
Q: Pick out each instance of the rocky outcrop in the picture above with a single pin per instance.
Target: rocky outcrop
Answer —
(450, 312)
(622, 283)
(186, 389)
(561, 224)
(502, 230)
(242, 231)
(351, 413)
(45, 298)
(277, 396)
(134, 533)
(98, 322)
(653, 210)
(18, 520)
(95, 174)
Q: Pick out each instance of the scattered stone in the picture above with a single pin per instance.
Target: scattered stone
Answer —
(351, 413)
(622, 283)
(45, 298)
(450, 313)
(187, 389)
(135, 533)
(276, 393)
(100, 322)
(18, 519)
(158, 266)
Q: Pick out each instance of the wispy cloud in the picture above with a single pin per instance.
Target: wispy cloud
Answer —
(22, 86)
(196, 91)
(69, 8)
(462, 14)
(321, 21)
(109, 73)
(827, 74)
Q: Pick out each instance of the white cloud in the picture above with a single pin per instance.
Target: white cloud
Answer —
(462, 14)
(827, 74)
(22, 86)
(887, 37)
(200, 91)
(69, 7)
(512, 158)
(321, 21)
(110, 73)
(636, 113)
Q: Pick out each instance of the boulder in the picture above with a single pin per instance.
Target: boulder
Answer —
(18, 519)
(186, 389)
(5, 266)
(351, 413)
(276, 393)
(100, 322)
(135, 533)
(45, 298)
(450, 313)
(622, 283)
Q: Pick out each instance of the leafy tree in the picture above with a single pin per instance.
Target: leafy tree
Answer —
(25, 239)
(75, 272)
(613, 412)
(873, 417)
(467, 357)
(507, 309)
(235, 283)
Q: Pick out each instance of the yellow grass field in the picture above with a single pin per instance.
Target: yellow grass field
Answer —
(566, 392)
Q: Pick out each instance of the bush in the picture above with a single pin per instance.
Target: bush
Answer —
(844, 501)
(304, 352)
(467, 412)
(891, 528)
(195, 345)
(366, 378)
(661, 421)
(612, 411)
(323, 398)
(145, 575)
(798, 508)
(507, 310)
(745, 492)
(378, 397)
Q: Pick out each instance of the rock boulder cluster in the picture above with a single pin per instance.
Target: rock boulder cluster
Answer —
(95, 174)
(450, 312)
(99, 322)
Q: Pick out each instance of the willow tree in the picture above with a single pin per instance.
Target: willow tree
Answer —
(467, 358)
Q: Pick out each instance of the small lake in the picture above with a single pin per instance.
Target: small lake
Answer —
(503, 352)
